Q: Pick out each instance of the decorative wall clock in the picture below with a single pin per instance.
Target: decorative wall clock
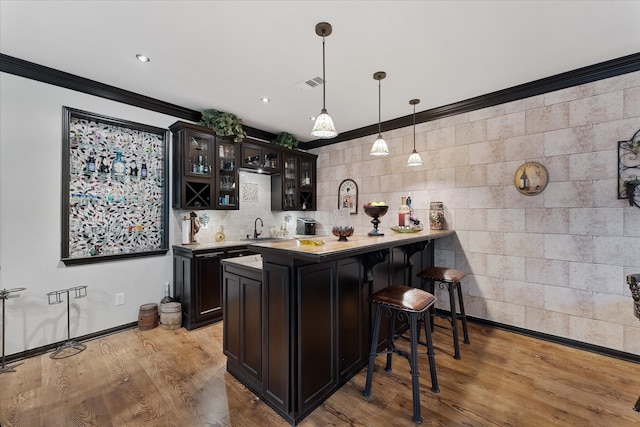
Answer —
(348, 196)
(531, 178)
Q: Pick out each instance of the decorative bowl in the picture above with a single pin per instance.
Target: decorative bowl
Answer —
(375, 211)
(342, 232)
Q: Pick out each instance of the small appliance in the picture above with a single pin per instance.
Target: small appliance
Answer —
(306, 226)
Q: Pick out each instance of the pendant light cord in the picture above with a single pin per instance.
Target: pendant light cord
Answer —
(414, 127)
(379, 107)
(324, 81)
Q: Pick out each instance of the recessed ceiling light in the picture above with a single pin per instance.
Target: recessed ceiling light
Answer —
(265, 100)
(143, 58)
(312, 118)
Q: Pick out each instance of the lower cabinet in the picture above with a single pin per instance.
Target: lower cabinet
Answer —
(197, 277)
(242, 342)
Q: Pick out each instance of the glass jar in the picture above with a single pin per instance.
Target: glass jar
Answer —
(436, 216)
(342, 227)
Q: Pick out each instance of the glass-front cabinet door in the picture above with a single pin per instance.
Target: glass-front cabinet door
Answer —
(307, 200)
(199, 149)
(290, 182)
(227, 174)
(260, 157)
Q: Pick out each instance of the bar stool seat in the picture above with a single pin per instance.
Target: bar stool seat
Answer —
(451, 278)
(414, 304)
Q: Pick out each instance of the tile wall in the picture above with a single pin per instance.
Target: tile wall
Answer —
(554, 263)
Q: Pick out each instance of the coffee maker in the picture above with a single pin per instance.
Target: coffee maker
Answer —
(306, 226)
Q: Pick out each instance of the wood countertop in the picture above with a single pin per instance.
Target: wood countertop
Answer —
(356, 244)
(252, 262)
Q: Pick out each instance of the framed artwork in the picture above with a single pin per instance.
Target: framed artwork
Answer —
(114, 189)
(531, 178)
(348, 196)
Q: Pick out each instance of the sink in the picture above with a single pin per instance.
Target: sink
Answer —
(261, 239)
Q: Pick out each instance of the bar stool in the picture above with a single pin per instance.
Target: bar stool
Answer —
(451, 278)
(413, 304)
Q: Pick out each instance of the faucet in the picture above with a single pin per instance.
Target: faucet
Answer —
(255, 227)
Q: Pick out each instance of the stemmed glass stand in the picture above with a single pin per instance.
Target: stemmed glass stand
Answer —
(375, 212)
(375, 232)
(76, 347)
(4, 295)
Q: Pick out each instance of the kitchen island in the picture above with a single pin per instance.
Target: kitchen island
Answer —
(298, 328)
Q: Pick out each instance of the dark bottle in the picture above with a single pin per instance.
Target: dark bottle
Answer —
(133, 170)
(167, 294)
(143, 170)
(91, 162)
(104, 162)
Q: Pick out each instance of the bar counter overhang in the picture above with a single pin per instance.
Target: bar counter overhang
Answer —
(305, 327)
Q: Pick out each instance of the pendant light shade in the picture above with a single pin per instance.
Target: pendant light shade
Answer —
(379, 145)
(414, 158)
(323, 127)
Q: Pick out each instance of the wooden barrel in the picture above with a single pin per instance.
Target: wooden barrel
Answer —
(171, 315)
(148, 317)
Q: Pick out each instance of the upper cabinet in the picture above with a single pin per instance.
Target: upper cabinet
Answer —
(204, 169)
(295, 187)
(261, 157)
(226, 188)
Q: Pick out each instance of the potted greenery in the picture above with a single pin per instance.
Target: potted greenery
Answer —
(285, 140)
(223, 124)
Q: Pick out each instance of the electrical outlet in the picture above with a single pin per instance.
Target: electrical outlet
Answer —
(120, 299)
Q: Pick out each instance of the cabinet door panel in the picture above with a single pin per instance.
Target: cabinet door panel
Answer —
(316, 333)
(352, 312)
(251, 326)
(276, 337)
(232, 317)
(208, 295)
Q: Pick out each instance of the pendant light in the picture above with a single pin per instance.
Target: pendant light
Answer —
(379, 145)
(324, 128)
(414, 158)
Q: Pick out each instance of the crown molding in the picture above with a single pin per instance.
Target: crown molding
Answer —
(33, 71)
(591, 73)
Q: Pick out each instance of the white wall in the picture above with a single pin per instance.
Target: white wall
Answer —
(30, 191)
(555, 262)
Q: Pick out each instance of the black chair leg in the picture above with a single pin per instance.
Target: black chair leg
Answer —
(415, 373)
(373, 353)
(431, 354)
(463, 314)
(454, 320)
(390, 337)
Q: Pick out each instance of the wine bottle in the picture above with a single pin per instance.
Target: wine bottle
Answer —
(143, 170)
(403, 213)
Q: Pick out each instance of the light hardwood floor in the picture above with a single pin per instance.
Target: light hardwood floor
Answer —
(178, 378)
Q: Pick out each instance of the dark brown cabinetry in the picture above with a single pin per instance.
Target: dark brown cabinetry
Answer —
(205, 175)
(261, 157)
(197, 277)
(313, 318)
(294, 188)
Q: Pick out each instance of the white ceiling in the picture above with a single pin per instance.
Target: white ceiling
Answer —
(228, 54)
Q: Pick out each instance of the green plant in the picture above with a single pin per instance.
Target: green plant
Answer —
(286, 140)
(223, 124)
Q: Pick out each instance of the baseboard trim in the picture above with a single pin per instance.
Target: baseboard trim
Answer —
(592, 348)
(617, 354)
(50, 347)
